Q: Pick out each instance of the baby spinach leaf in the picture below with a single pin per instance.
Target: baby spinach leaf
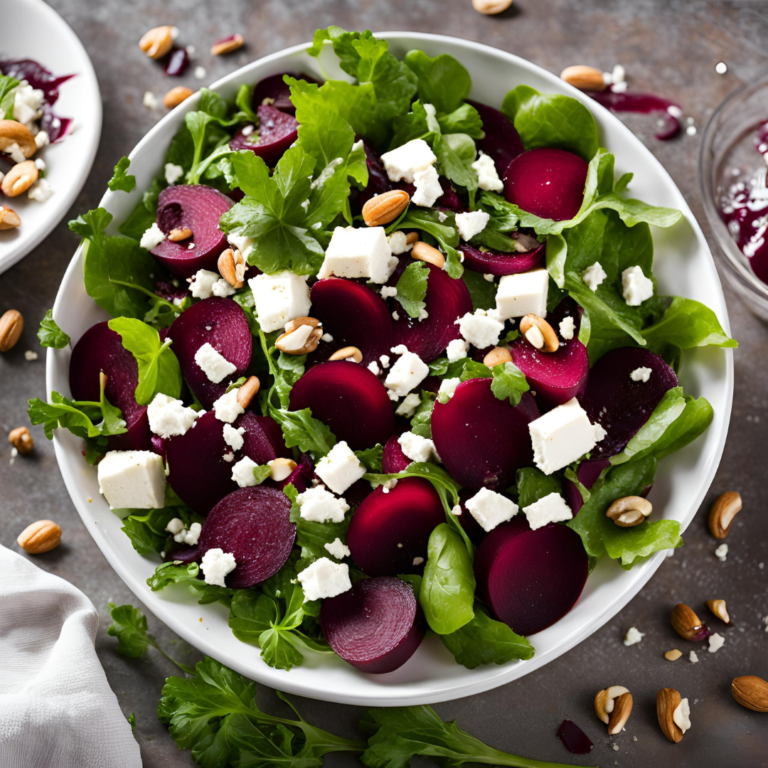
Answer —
(443, 81)
(421, 421)
(121, 180)
(302, 430)
(8, 87)
(146, 528)
(509, 383)
(464, 119)
(412, 288)
(533, 484)
(189, 576)
(482, 291)
(371, 457)
(49, 333)
(687, 324)
(455, 153)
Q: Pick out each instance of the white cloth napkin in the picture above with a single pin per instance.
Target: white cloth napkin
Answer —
(56, 707)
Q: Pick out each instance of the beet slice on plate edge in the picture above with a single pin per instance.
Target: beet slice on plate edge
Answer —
(393, 460)
(349, 399)
(531, 579)
(254, 525)
(546, 182)
(621, 406)
(502, 141)
(498, 263)
(354, 315)
(221, 323)
(483, 441)
(275, 133)
(446, 301)
(587, 473)
(197, 208)
(389, 531)
(556, 377)
(101, 349)
(376, 626)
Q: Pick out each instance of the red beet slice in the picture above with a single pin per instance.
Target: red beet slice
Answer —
(378, 181)
(587, 474)
(389, 530)
(376, 626)
(275, 133)
(556, 377)
(349, 399)
(197, 470)
(498, 263)
(471, 527)
(354, 315)
(222, 324)
(254, 525)
(198, 208)
(446, 301)
(621, 406)
(393, 460)
(483, 441)
(101, 349)
(547, 182)
(275, 88)
(502, 141)
(531, 579)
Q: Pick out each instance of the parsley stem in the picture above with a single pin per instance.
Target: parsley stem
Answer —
(153, 296)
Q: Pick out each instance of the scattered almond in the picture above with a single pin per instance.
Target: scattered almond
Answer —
(21, 440)
(621, 711)
(673, 655)
(491, 7)
(605, 701)
(421, 251)
(232, 267)
(9, 219)
(629, 511)
(247, 392)
(584, 78)
(12, 132)
(176, 95)
(281, 469)
(11, 326)
(227, 45)
(720, 610)
(385, 207)
(301, 336)
(667, 702)
(727, 506)
(42, 536)
(497, 356)
(19, 179)
(751, 692)
(546, 334)
(158, 41)
(686, 623)
(352, 354)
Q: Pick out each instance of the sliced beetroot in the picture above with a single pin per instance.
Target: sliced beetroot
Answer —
(275, 132)
(197, 469)
(547, 182)
(393, 460)
(276, 92)
(482, 440)
(254, 525)
(390, 529)
(177, 63)
(197, 208)
(471, 527)
(222, 324)
(349, 399)
(499, 263)
(566, 308)
(378, 181)
(587, 473)
(502, 141)
(183, 554)
(101, 349)
(556, 377)
(449, 200)
(376, 626)
(446, 301)
(354, 315)
(531, 579)
(621, 406)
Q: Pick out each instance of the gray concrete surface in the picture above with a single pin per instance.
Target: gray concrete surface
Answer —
(669, 48)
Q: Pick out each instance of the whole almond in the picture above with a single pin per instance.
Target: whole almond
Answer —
(686, 623)
(247, 392)
(353, 354)
(9, 219)
(727, 506)
(385, 207)
(667, 701)
(232, 267)
(629, 511)
(227, 45)
(21, 440)
(584, 78)
(497, 356)
(550, 341)
(158, 41)
(491, 7)
(11, 326)
(622, 708)
(422, 251)
(20, 178)
(42, 536)
(751, 692)
(176, 95)
(13, 132)
(180, 234)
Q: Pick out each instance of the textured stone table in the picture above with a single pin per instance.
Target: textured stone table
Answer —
(667, 47)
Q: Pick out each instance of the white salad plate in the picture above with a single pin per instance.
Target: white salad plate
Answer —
(33, 30)
(684, 266)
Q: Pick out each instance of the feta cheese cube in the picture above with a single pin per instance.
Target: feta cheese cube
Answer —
(408, 372)
(26, 104)
(227, 408)
(213, 364)
(471, 224)
(340, 468)
(428, 188)
(168, 417)
(324, 578)
(132, 479)
(416, 447)
(409, 405)
(550, 509)
(641, 374)
(242, 472)
(567, 328)
(491, 509)
(152, 237)
(561, 436)
(398, 244)
(456, 350)
(402, 163)
(202, 283)
(338, 549)
(593, 276)
(216, 565)
(234, 437)
(447, 388)
(279, 298)
(317, 505)
(362, 252)
(13, 151)
(635, 286)
(480, 329)
(487, 175)
(523, 294)
(173, 172)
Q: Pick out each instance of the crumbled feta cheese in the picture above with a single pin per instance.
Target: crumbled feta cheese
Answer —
(447, 388)
(635, 286)
(600, 434)
(416, 447)
(152, 237)
(213, 364)
(173, 172)
(338, 549)
(693, 657)
(279, 298)
(168, 417)
(323, 579)
(317, 505)
(200, 73)
(395, 316)
(721, 553)
(456, 350)
(327, 338)
(471, 224)
(202, 283)
(641, 374)
(223, 289)
(384, 360)
(14, 152)
(716, 642)
(491, 509)
(534, 337)
(42, 139)
(633, 636)
(374, 368)
(40, 191)
(229, 457)
(295, 340)
(27, 102)
(428, 188)
(409, 405)
(523, 294)
(487, 175)
(241, 242)
(226, 408)
(40, 164)
(561, 436)
(593, 276)
(417, 561)
(682, 715)
(180, 533)
(150, 100)
(340, 468)
(480, 329)
(388, 293)
(397, 243)
(406, 374)
(567, 328)
(242, 472)
(132, 479)
(403, 163)
(30, 355)
(361, 252)
(550, 509)
(234, 437)
(216, 565)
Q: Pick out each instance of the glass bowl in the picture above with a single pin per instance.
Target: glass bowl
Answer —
(728, 155)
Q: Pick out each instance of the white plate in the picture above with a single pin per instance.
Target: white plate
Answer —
(39, 33)
(684, 266)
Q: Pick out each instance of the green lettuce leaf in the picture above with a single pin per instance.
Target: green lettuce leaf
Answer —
(49, 333)
(121, 180)
(412, 288)
(443, 81)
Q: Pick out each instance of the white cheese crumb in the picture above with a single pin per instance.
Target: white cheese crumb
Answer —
(721, 553)
(641, 374)
(202, 283)
(398, 244)
(338, 549)
(549, 509)
(487, 175)
(30, 356)
(317, 505)
(693, 657)
(234, 437)
(418, 561)
(633, 636)
(416, 447)
(428, 188)
(593, 276)
(447, 389)
(491, 509)
(173, 172)
(480, 329)
(324, 579)
(227, 408)
(716, 642)
(213, 364)
(456, 350)
(242, 472)
(635, 286)
(387, 292)
(216, 565)
(471, 224)
(40, 191)
(409, 405)
(340, 469)
(168, 417)
(200, 72)
(152, 237)
(567, 328)
(150, 100)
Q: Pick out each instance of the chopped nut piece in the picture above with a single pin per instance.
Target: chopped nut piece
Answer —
(21, 440)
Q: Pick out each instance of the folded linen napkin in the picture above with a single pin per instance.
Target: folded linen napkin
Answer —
(56, 707)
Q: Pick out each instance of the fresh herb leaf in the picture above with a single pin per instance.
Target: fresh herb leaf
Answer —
(8, 87)
(482, 291)
(302, 430)
(371, 457)
(687, 324)
(261, 472)
(443, 81)
(421, 421)
(509, 383)
(533, 484)
(146, 528)
(464, 119)
(49, 333)
(444, 232)
(121, 180)
(455, 153)
(188, 575)
(412, 288)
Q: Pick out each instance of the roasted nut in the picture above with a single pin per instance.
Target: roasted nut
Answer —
(497, 356)
(11, 326)
(719, 609)
(629, 511)
(227, 45)
(232, 267)
(687, 624)
(21, 440)
(301, 336)
(42, 536)
(19, 179)
(423, 252)
(751, 692)
(158, 41)
(727, 506)
(491, 7)
(543, 338)
(281, 469)
(13, 132)
(605, 701)
(667, 702)
(247, 392)
(353, 354)
(176, 95)
(297, 322)
(584, 78)
(9, 219)
(673, 655)
(622, 708)
(385, 207)
(411, 238)
(179, 235)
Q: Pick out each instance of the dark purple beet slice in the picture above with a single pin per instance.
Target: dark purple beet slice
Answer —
(566, 308)
(498, 263)
(446, 301)
(222, 324)
(197, 470)
(349, 399)
(254, 525)
(183, 554)
(502, 141)
(472, 528)
(177, 63)
(574, 739)
(556, 377)
(621, 406)
(531, 579)
(274, 88)
(483, 441)
(393, 460)
(376, 626)
(547, 182)
(101, 349)
(389, 530)
(275, 133)
(354, 315)
(587, 473)
(378, 181)
(198, 208)
(449, 200)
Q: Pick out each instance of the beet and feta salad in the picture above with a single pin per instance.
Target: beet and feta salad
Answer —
(383, 360)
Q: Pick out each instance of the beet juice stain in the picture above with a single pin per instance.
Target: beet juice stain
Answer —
(644, 103)
(575, 740)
